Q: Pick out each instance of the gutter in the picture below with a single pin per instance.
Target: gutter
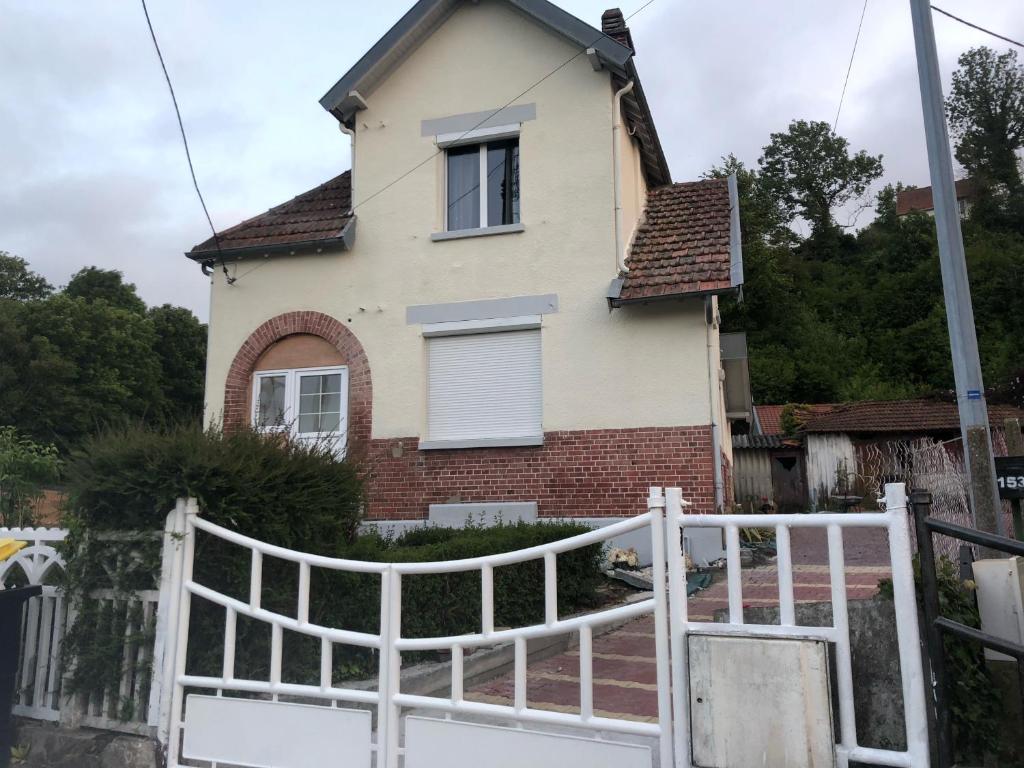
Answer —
(343, 239)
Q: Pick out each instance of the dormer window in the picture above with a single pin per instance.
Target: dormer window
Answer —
(482, 185)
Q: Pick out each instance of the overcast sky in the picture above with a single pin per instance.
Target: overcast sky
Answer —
(93, 170)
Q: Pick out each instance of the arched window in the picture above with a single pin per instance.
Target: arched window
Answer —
(300, 386)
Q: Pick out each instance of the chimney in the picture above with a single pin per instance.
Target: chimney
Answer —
(614, 25)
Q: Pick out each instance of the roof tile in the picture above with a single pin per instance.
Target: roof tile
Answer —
(683, 242)
(900, 416)
(319, 214)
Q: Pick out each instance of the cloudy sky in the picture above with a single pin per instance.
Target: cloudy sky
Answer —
(93, 170)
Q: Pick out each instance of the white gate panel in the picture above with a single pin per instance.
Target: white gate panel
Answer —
(760, 701)
(270, 734)
(431, 743)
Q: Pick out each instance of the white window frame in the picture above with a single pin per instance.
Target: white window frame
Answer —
(291, 399)
(480, 138)
(468, 328)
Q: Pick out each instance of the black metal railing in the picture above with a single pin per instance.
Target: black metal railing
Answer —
(936, 625)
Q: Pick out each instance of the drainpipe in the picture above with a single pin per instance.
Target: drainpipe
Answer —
(714, 387)
(620, 257)
(351, 133)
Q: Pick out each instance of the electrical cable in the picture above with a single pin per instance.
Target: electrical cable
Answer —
(849, 67)
(184, 141)
(980, 29)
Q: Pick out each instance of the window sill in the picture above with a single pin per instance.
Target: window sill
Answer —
(480, 442)
(460, 234)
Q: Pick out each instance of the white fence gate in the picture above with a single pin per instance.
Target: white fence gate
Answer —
(277, 724)
(131, 704)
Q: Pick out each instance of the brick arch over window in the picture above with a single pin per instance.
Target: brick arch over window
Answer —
(360, 392)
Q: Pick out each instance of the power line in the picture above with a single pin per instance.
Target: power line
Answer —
(980, 29)
(849, 67)
(184, 141)
(508, 103)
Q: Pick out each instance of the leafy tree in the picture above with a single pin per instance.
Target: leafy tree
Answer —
(181, 348)
(809, 170)
(18, 282)
(95, 284)
(25, 467)
(68, 366)
(986, 113)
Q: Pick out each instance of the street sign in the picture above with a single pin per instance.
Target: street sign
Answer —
(1010, 477)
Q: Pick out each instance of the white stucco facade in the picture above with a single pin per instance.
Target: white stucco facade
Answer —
(636, 366)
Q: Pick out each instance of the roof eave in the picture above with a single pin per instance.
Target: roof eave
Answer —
(365, 73)
(344, 240)
(614, 301)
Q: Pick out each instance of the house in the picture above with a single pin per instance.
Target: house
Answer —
(851, 450)
(506, 306)
(914, 199)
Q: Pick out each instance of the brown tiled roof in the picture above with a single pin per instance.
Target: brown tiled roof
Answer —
(920, 198)
(770, 416)
(901, 416)
(315, 216)
(682, 243)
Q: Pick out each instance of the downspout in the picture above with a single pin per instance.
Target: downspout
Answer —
(620, 257)
(351, 133)
(714, 385)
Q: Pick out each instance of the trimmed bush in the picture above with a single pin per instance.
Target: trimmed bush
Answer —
(272, 488)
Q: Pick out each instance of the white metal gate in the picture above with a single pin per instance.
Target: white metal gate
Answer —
(279, 724)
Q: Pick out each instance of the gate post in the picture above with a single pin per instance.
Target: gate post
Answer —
(389, 670)
(921, 504)
(176, 644)
(677, 623)
(656, 507)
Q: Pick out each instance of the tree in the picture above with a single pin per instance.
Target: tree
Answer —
(809, 170)
(69, 366)
(986, 113)
(95, 284)
(18, 282)
(181, 347)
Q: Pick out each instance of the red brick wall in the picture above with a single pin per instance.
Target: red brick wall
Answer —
(592, 473)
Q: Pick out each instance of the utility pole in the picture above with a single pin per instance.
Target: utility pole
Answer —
(963, 340)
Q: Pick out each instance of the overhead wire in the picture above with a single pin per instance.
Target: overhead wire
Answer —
(849, 67)
(184, 141)
(979, 28)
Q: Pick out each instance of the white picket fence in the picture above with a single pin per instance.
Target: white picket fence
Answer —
(132, 703)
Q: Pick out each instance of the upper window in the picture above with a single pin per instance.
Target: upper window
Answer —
(482, 185)
(310, 403)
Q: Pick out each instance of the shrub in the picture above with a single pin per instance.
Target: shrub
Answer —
(275, 489)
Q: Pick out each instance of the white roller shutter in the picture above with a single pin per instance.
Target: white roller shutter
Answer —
(484, 386)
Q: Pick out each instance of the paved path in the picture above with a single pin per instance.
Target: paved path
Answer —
(625, 685)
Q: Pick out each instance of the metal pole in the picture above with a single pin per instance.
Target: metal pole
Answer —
(920, 503)
(963, 340)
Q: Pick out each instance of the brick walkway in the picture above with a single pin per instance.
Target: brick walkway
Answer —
(625, 685)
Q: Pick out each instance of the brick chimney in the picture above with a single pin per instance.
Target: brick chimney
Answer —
(614, 25)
